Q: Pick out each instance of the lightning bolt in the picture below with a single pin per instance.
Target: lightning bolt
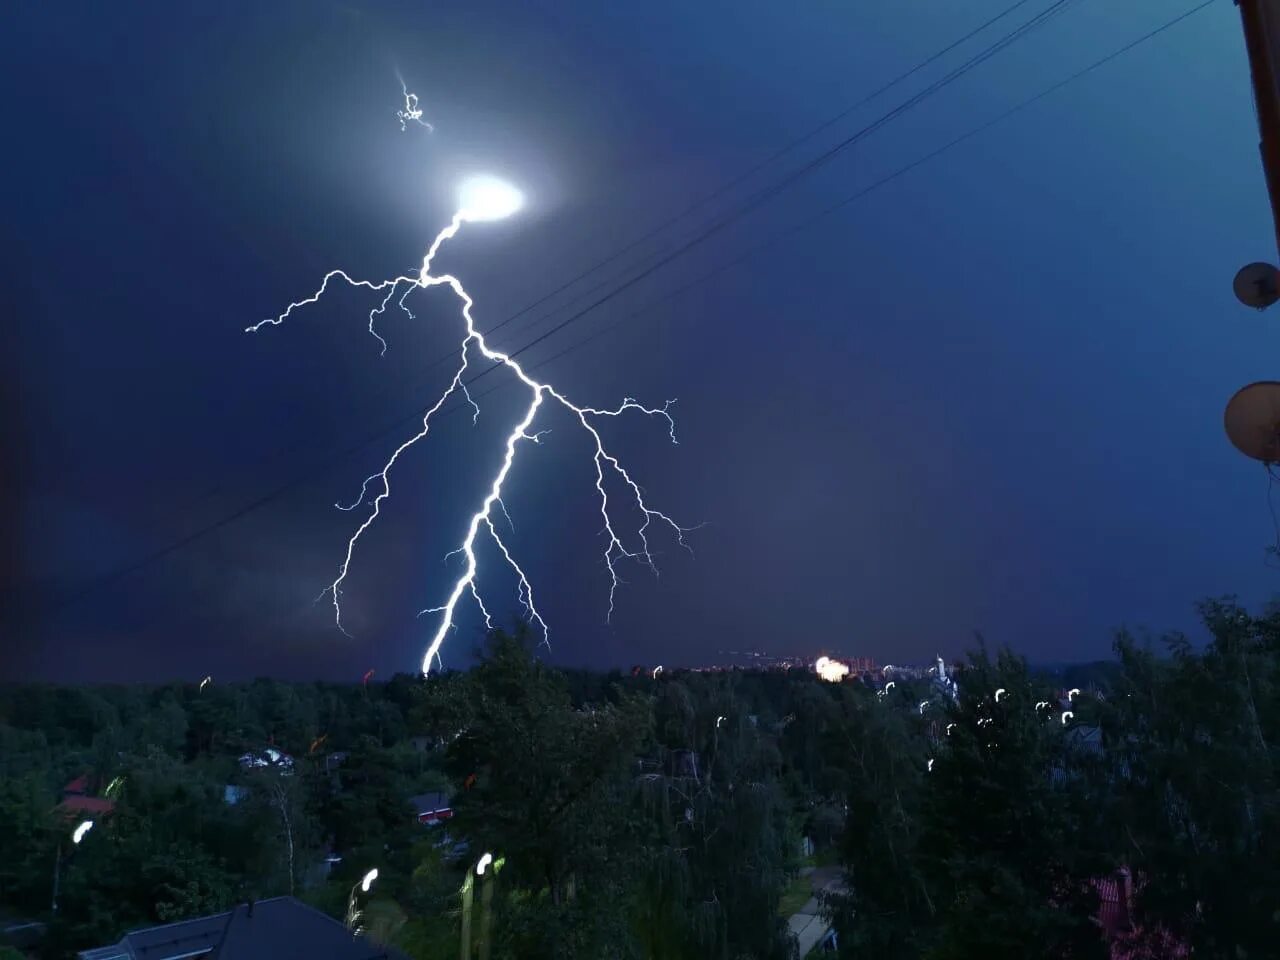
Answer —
(620, 545)
(411, 113)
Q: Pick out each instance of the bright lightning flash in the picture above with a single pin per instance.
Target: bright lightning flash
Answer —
(411, 113)
(485, 198)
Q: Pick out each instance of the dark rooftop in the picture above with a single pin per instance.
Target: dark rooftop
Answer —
(281, 928)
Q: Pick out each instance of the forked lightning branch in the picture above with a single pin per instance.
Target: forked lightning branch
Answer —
(485, 198)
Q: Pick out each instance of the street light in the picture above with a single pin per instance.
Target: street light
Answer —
(486, 906)
(76, 836)
(361, 886)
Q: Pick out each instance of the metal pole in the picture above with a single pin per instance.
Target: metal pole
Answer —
(467, 888)
(57, 869)
(486, 914)
(1261, 20)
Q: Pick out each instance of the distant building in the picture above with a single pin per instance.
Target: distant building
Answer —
(268, 758)
(77, 801)
(432, 808)
(943, 682)
(281, 928)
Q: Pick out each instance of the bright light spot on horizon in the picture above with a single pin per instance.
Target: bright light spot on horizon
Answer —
(488, 198)
(833, 671)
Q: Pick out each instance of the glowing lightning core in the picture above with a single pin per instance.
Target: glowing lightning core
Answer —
(484, 198)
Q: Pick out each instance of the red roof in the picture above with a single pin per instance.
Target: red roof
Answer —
(99, 806)
(78, 785)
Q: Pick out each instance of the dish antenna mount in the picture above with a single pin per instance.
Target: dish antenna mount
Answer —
(1257, 285)
(1252, 421)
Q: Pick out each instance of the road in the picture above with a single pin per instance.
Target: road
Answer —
(806, 924)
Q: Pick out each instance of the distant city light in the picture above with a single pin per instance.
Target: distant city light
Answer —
(833, 671)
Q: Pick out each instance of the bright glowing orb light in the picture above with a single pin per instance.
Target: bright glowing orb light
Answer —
(488, 198)
(832, 671)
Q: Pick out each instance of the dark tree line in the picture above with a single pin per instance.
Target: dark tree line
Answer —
(633, 817)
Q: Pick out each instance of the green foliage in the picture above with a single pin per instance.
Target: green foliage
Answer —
(661, 819)
(1194, 741)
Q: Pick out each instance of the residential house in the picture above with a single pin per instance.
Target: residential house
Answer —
(432, 808)
(79, 802)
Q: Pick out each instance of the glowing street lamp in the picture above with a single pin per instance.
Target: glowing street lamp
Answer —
(76, 836)
(361, 886)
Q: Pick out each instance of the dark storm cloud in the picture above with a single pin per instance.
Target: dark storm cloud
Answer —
(988, 396)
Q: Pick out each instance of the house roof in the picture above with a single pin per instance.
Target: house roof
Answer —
(281, 928)
(99, 806)
(430, 802)
(78, 785)
(284, 928)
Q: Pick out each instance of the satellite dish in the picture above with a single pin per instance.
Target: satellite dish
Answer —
(1252, 421)
(1257, 285)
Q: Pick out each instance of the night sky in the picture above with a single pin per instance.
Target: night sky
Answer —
(985, 397)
